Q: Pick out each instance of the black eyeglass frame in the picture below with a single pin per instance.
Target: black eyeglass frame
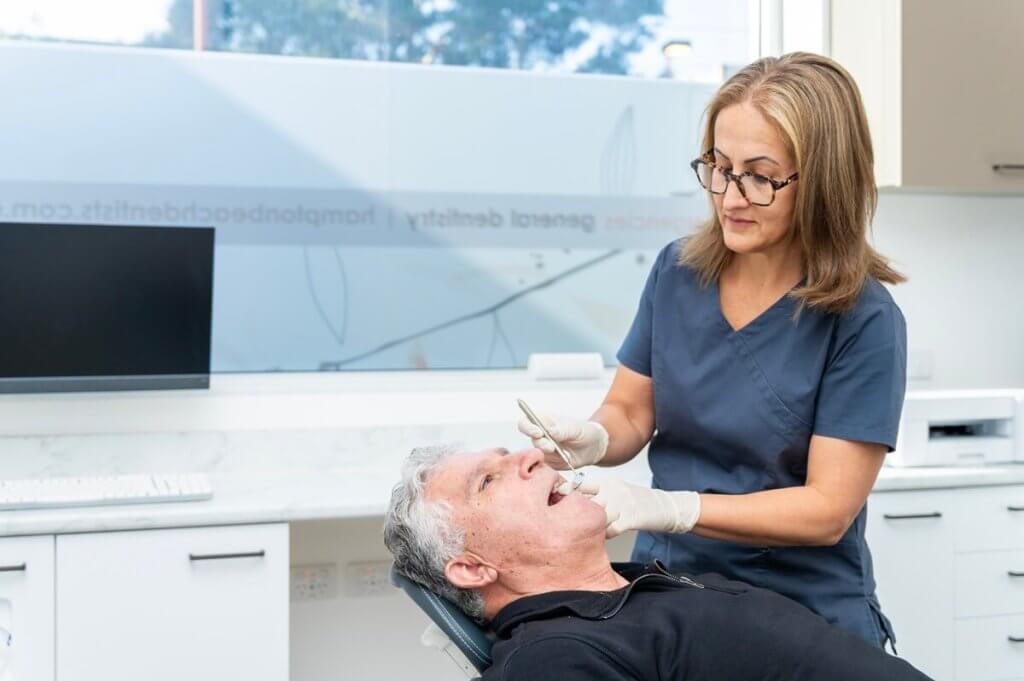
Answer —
(776, 185)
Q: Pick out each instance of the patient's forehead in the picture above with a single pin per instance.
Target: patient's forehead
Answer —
(451, 478)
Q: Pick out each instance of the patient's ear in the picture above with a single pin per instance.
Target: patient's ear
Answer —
(467, 571)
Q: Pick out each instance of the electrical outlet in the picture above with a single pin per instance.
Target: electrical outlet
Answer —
(369, 578)
(314, 582)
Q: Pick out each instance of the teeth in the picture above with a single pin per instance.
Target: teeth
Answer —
(554, 496)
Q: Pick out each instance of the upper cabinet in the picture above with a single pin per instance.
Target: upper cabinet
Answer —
(943, 85)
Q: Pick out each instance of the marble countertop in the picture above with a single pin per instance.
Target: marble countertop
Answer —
(257, 496)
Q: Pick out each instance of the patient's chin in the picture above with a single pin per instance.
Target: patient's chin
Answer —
(591, 516)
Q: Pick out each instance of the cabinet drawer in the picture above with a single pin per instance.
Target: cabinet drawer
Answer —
(990, 583)
(26, 607)
(985, 651)
(203, 604)
(990, 519)
(911, 540)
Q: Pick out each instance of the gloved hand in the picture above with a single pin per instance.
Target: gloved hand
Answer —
(631, 507)
(586, 442)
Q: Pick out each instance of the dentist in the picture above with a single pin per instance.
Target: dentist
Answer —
(766, 363)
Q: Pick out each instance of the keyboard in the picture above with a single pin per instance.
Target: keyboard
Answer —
(107, 490)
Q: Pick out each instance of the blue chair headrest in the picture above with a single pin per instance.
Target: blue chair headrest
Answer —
(466, 634)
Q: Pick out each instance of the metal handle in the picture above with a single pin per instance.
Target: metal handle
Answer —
(1002, 167)
(13, 568)
(911, 516)
(1015, 573)
(1015, 509)
(226, 556)
(1015, 639)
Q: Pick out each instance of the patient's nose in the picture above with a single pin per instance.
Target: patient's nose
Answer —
(529, 462)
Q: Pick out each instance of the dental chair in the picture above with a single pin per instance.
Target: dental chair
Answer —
(451, 631)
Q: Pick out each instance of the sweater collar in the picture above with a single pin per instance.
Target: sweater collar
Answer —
(590, 605)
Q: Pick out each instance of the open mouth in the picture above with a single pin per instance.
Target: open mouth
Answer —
(555, 496)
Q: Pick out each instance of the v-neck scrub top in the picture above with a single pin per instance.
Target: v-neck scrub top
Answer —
(734, 414)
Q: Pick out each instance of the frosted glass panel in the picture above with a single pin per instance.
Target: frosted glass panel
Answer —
(368, 215)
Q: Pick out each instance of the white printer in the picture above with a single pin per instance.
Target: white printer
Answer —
(960, 428)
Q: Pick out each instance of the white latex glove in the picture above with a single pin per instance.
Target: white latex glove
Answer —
(631, 507)
(586, 442)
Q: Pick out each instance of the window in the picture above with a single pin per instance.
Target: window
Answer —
(685, 39)
(164, 23)
(566, 36)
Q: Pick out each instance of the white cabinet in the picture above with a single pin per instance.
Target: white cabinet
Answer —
(911, 539)
(940, 81)
(950, 572)
(989, 592)
(990, 519)
(203, 604)
(26, 608)
(984, 652)
(990, 583)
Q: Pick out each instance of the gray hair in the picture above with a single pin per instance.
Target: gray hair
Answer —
(420, 534)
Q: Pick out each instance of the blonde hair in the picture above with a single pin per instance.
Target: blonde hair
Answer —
(816, 107)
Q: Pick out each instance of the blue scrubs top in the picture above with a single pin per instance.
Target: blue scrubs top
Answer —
(735, 411)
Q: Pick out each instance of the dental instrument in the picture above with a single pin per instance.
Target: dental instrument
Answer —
(577, 476)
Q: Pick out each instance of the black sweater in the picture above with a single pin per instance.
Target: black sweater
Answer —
(666, 627)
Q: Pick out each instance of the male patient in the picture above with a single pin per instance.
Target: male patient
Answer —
(488, 531)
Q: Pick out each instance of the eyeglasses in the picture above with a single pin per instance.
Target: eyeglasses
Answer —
(757, 189)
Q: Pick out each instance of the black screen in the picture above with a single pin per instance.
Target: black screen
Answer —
(86, 307)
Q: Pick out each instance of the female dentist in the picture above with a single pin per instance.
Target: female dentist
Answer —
(766, 363)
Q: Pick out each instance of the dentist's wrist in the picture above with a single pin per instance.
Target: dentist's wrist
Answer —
(679, 511)
(599, 447)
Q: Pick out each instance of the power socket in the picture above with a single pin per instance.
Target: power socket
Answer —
(370, 578)
(314, 582)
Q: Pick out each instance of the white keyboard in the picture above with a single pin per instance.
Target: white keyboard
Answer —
(102, 490)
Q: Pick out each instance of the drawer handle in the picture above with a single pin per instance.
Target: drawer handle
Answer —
(1003, 167)
(226, 556)
(911, 516)
(1015, 573)
(1015, 639)
(1015, 509)
(13, 568)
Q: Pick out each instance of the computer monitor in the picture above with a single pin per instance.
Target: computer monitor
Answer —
(103, 307)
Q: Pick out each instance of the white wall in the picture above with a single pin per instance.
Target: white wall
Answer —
(964, 302)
